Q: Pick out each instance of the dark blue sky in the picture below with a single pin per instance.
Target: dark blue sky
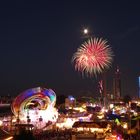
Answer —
(38, 39)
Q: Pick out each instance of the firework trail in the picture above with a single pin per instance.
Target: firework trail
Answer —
(93, 57)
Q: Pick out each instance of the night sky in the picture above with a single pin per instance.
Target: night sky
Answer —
(38, 39)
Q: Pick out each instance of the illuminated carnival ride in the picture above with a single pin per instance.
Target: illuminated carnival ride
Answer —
(35, 106)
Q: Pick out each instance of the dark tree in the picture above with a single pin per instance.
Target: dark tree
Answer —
(127, 99)
(60, 99)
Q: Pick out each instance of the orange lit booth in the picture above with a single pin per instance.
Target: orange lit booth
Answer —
(92, 127)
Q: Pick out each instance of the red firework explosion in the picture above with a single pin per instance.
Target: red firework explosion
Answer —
(93, 57)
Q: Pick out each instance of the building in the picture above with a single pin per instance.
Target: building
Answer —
(117, 84)
(70, 102)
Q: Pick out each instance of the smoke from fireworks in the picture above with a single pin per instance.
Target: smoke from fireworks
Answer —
(93, 57)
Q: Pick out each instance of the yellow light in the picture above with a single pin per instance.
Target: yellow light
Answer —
(112, 137)
(125, 126)
(1, 123)
(9, 138)
(80, 109)
(101, 116)
(66, 124)
(80, 129)
(111, 106)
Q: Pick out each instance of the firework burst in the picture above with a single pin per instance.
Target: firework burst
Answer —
(93, 57)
